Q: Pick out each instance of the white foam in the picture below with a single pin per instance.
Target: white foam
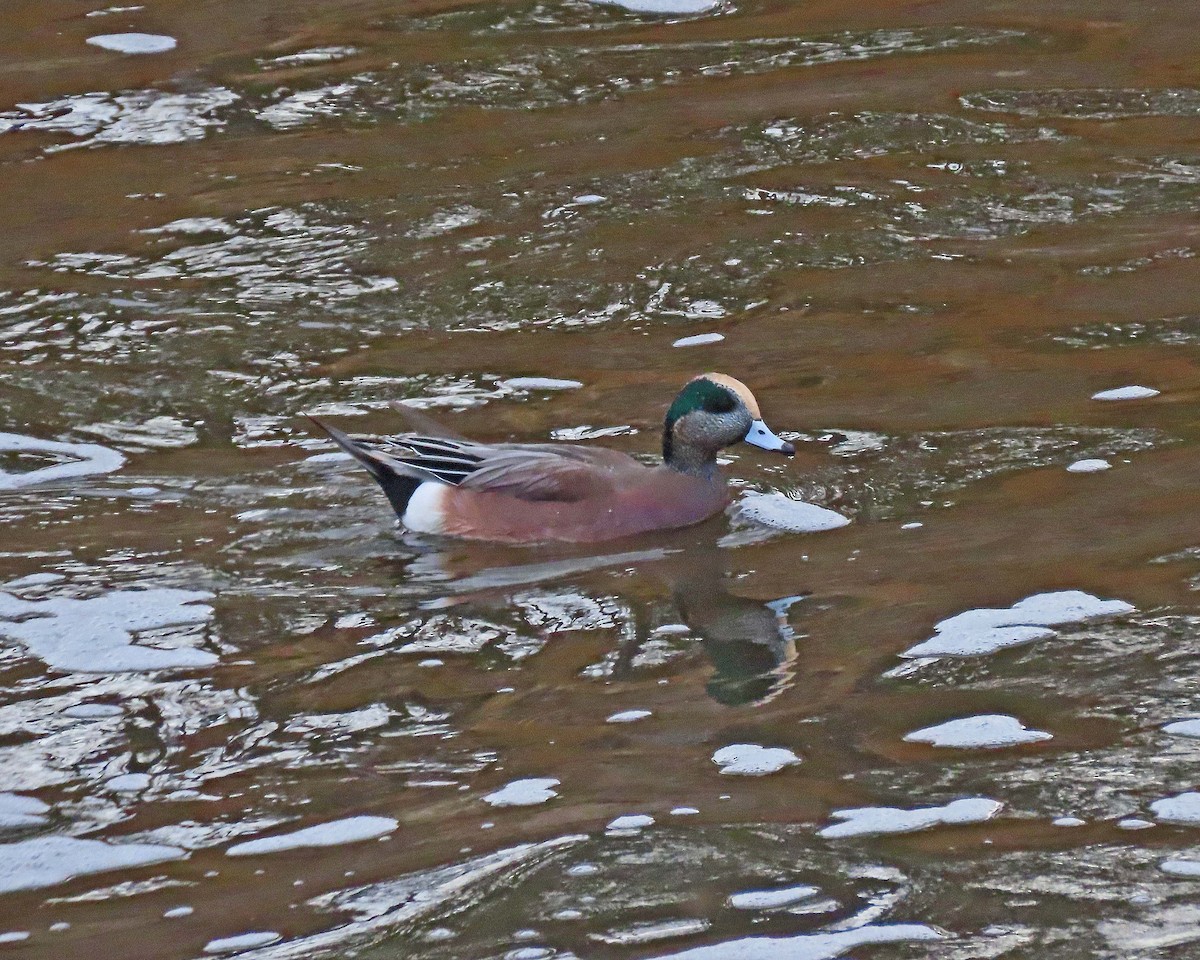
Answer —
(772, 899)
(46, 861)
(540, 383)
(1089, 466)
(978, 632)
(1184, 808)
(243, 941)
(784, 513)
(629, 716)
(1183, 728)
(873, 820)
(752, 760)
(86, 459)
(631, 821)
(809, 946)
(699, 340)
(331, 834)
(988, 731)
(524, 793)
(134, 42)
(1181, 868)
(19, 811)
(1126, 393)
(97, 635)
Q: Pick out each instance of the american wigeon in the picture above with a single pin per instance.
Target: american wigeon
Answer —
(533, 492)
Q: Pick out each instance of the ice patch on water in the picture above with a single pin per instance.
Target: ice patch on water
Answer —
(540, 383)
(1089, 466)
(699, 340)
(1068, 822)
(684, 811)
(128, 782)
(14, 936)
(1183, 728)
(631, 822)
(331, 834)
(19, 811)
(93, 711)
(752, 760)
(1181, 868)
(629, 716)
(1126, 393)
(98, 635)
(1134, 823)
(664, 7)
(772, 899)
(85, 459)
(242, 941)
(138, 116)
(46, 861)
(651, 932)
(978, 632)
(133, 42)
(314, 55)
(866, 821)
(524, 793)
(783, 513)
(989, 731)
(809, 946)
(1184, 808)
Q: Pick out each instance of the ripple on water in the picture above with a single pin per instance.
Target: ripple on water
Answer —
(134, 117)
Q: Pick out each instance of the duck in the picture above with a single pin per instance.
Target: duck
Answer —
(443, 484)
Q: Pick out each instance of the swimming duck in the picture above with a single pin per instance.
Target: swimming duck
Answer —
(533, 492)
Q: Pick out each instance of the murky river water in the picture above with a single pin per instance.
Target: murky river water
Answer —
(928, 234)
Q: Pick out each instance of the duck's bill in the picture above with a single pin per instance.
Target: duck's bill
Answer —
(761, 435)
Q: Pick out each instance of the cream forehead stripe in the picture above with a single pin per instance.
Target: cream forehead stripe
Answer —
(737, 387)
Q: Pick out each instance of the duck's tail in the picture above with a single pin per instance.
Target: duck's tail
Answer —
(397, 485)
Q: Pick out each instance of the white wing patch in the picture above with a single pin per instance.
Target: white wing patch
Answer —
(426, 508)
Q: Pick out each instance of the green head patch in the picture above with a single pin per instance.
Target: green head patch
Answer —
(702, 395)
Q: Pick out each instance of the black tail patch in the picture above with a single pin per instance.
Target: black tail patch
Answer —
(397, 487)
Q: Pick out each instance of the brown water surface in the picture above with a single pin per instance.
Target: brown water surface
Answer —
(928, 232)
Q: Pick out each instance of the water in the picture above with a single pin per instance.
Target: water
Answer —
(927, 238)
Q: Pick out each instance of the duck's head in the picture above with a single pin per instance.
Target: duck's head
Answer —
(711, 412)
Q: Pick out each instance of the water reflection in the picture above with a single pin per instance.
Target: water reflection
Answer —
(681, 602)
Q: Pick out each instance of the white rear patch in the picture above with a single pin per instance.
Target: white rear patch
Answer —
(424, 511)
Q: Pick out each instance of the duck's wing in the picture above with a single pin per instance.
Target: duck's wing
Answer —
(522, 471)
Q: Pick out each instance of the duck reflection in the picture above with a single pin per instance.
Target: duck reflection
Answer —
(670, 596)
